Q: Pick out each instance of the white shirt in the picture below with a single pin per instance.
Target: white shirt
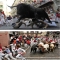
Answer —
(13, 46)
(17, 39)
(1, 16)
(32, 42)
(2, 19)
(20, 50)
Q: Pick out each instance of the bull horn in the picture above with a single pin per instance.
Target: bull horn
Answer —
(11, 6)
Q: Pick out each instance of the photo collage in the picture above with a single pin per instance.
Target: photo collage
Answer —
(29, 29)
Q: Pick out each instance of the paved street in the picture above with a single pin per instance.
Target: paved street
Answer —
(43, 58)
(56, 53)
(38, 56)
(23, 27)
(29, 58)
(46, 56)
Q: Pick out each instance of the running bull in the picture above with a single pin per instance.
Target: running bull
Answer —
(28, 11)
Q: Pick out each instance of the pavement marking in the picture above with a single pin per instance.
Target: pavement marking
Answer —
(43, 57)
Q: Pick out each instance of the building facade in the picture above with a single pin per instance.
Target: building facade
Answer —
(57, 3)
(4, 38)
(13, 11)
(3, 6)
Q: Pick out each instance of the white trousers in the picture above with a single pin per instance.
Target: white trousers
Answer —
(2, 21)
(1, 55)
(13, 52)
(20, 56)
(9, 55)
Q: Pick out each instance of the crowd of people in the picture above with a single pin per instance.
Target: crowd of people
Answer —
(9, 20)
(58, 14)
(53, 16)
(14, 50)
(28, 40)
(17, 52)
(6, 20)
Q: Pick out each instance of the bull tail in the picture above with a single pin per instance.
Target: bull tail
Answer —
(11, 6)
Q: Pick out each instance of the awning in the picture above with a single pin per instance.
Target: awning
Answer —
(46, 4)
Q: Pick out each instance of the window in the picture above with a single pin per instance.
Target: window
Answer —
(1, 6)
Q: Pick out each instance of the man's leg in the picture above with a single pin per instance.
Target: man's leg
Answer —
(23, 58)
(7, 56)
(10, 55)
(20, 56)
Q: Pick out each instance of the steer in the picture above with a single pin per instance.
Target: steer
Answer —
(34, 48)
(28, 11)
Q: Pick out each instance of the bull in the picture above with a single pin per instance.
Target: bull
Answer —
(29, 11)
(34, 48)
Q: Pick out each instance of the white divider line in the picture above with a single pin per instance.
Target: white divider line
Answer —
(43, 57)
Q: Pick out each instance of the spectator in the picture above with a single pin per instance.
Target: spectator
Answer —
(9, 17)
(13, 45)
(2, 21)
(58, 15)
(1, 54)
(12, 39)
(28, 42)
(4, 14)
(53, 17)
(20, 52)
(8, 53)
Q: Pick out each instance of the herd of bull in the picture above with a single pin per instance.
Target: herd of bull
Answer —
(37, 14)
(43, 47)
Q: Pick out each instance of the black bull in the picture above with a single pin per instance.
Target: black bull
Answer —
(28, 11)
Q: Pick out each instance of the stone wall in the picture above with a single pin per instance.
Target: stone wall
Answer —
(4, 38)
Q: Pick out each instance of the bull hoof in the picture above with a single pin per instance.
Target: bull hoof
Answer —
(50, 22)
(45, 27)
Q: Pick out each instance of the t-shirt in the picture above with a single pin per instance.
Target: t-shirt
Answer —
(13, 46)
(7, 50)
(28, 42)
(20, 50)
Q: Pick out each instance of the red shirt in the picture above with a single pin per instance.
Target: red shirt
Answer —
(58, 15)
(28, 42)
(51, 41)
(20, 38)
